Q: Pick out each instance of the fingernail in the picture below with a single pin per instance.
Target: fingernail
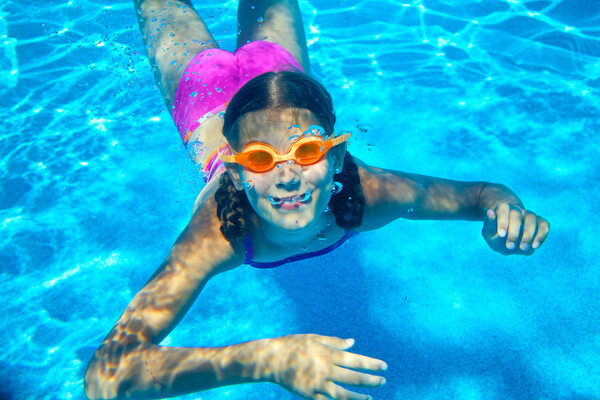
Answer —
(349, 342)
(382, 382)
(524, 246)
(535, 245)
(502, 232)
(383, 366)
(510, 245)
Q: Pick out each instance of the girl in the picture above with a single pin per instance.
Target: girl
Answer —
(279, 179)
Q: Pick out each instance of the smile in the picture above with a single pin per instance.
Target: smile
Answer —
(290, 202)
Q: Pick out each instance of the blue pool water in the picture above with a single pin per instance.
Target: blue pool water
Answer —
(95, 187)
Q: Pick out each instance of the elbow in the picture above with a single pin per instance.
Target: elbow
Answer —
(101, 379)
(92, 382)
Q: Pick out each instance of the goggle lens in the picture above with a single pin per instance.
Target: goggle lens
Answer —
(260, 160)
(309, 153)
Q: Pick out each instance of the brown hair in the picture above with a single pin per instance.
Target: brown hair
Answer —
(284, 89)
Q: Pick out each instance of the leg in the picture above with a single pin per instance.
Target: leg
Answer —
(277, 21)
(173, 34)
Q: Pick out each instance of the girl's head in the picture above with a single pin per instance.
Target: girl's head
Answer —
(276, 109)
(278, 91)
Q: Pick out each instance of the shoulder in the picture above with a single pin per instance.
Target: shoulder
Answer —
(385, 191)
(201, 244)
(382, 185)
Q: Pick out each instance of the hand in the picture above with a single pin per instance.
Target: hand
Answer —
(308, 365)
(509, 229)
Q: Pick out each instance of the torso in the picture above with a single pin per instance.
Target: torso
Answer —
(267, 251)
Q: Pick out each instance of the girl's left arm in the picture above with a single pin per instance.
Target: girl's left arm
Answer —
(508, 227)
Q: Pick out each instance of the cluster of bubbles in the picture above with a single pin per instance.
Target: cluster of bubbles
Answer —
(197, 148)
(313, 130)
(288, 162)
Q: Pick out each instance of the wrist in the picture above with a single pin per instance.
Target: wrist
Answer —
(247, 362)
(492, 195)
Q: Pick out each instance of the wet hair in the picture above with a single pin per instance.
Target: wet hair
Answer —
(280, 90)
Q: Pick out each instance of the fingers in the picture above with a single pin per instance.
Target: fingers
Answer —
(339, 393)
(490, 229)
(529, 229)
(358, 361)
(509, 229)
(332, 341)
(542, 233)
(515, 217)
(502, 218)
(356, 378)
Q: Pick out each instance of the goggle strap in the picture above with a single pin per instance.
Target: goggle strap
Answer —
(228, 158)
(340, 139)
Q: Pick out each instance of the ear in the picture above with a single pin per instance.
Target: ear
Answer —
(339, 153)
(234, 172)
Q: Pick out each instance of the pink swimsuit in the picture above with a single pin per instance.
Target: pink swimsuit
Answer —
(214, 76)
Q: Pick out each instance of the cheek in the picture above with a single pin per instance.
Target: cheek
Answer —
(256, 184)
(319, 174)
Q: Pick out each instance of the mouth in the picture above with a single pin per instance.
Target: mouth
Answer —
(290, 202)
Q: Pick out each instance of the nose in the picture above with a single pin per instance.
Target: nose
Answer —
(288, 175)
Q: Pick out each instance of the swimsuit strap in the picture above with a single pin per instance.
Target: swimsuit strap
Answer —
(298, 257)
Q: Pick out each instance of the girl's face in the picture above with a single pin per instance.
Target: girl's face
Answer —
(290, 196)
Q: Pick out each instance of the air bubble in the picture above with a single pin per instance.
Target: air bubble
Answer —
(294, 138)
(327, 209)
(337, 171)
(290, 162)
(320, 236)
(304, 197)
(337, 187)
(316, 130)
(260, 19)
(276, 201)
(249, 184)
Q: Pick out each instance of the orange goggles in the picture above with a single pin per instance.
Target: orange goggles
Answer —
(261, 157)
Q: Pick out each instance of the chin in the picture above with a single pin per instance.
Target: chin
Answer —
(291, 220)
(294, 221)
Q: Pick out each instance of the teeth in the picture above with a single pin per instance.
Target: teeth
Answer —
(300, 198)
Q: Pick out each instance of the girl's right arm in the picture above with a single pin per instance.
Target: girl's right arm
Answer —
(130, 364)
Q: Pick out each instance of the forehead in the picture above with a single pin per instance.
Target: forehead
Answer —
(274, 126)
